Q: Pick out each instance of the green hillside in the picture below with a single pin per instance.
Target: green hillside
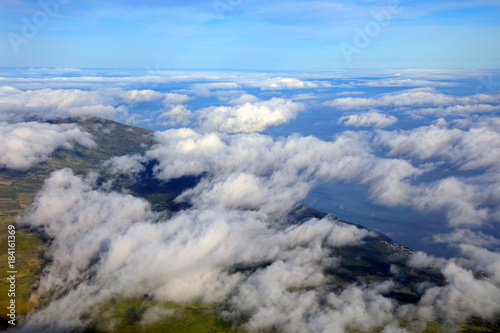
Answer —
(17, 190)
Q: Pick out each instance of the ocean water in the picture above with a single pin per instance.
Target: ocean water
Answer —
(351, 201)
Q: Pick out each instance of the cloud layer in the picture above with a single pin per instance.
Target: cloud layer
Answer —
(367, 119)
(424, 100)
(293, 165)
(18, 105)
(109, 244)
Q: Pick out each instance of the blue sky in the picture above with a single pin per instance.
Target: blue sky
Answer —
(253, 35)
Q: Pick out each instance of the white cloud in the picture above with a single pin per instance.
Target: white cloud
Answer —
(367, 119)
(17, 105)
(125, 165)
(248, 117)
(245, 98)
(26, 144)
(269, 305)
(174, 99)
(290, 165)
(422, 260)
(140, 96)
(246, 191)
(456, 110)
(463, 297)
(177, 114)
(475, 148)
(99, 79)
(466, 236)
(482, 260)
(460, 201)
(173, 260)
(418, 97)
(284, 83)
(110, 244)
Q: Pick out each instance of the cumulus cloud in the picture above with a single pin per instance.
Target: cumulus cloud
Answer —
(174, 99)
(126, 164)
(422, 260)
(295, 164)
(25, 144)
(177, 114)
(473, 148)
(247, 191)
(248, 117)
(482, 260)
(140, 96)
(109, 102)
(466, 236)
(269, 305)
(72, 214)
(464, 296)
(108, 244)
(245, 98)
(98, 79)
(290, 166)
(236, 218)
(372, 118)
(460, 202)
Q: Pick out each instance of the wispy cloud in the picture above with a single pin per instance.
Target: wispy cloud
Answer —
(367, 119)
